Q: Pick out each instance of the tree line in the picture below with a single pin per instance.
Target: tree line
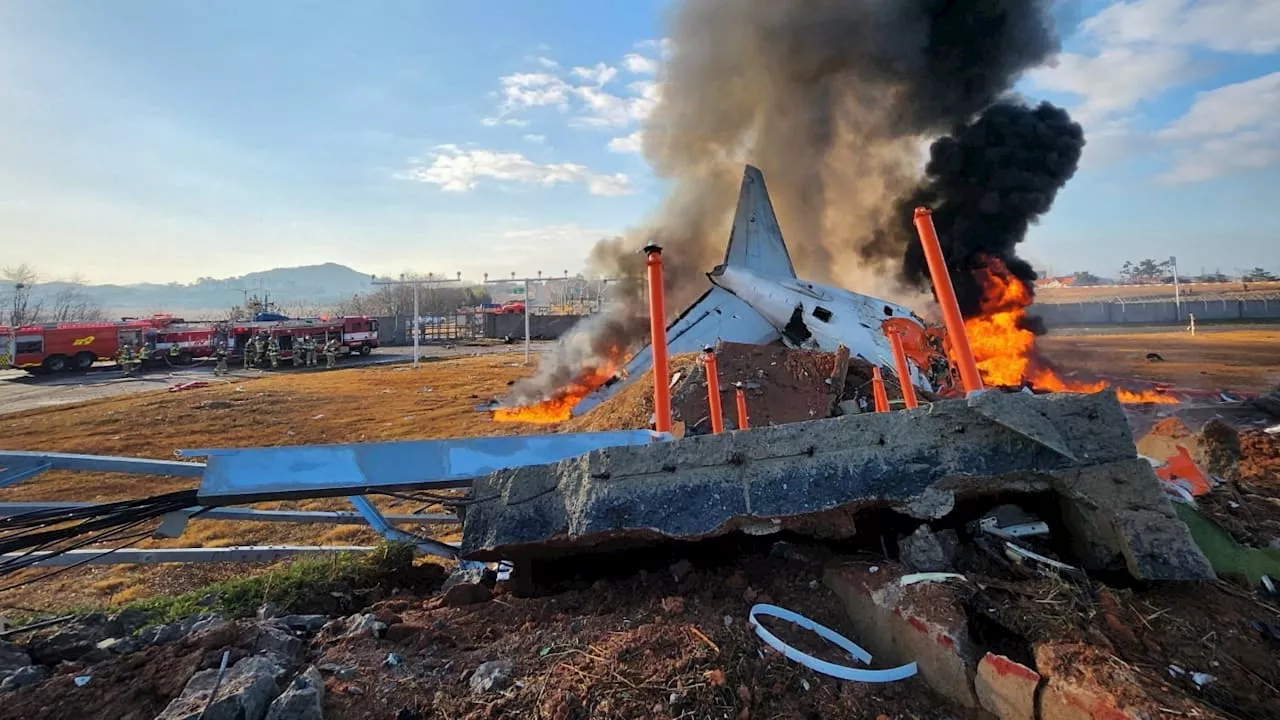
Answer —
(1150, 272)
(21, 305)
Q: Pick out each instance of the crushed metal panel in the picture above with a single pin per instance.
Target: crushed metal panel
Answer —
(717, 316)
(239, 475)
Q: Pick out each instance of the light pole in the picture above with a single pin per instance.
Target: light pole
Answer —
(526, 280)
(417, 283)
(1177, 290)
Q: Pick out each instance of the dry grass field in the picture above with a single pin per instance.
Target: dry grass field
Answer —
(397, 403)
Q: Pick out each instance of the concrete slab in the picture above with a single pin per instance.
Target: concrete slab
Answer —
(815, 477)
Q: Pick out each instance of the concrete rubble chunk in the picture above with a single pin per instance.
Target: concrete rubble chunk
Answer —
(922, 623)
(922, 551)
(492, 676)
(302, 700)
(813, 478)
(1005, 688)
(246, 691)
(301, 623)
(24, 677)
(273, 639)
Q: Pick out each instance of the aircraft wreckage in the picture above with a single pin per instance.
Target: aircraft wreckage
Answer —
(544, 498)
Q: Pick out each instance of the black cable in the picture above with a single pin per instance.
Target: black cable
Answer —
(133, 540)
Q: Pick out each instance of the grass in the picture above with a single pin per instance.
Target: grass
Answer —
(308, 585)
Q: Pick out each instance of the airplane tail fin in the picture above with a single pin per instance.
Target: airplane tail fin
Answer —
(756, 240)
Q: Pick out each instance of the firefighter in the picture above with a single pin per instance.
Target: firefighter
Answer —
(331, 353)
(260, 348)
(220, 352)
(273, 351)
(247, 353)
(125, 358)
(175, 353)
(309, 350)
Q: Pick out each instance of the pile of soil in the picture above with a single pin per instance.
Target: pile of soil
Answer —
(782, 385)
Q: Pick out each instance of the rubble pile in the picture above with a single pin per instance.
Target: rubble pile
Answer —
(782, 385)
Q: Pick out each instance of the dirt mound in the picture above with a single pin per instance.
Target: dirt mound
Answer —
(782, 386)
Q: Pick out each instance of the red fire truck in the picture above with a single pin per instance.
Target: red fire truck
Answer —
(355, 334)
(54, 347)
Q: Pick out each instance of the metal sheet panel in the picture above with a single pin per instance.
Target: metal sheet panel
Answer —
(239, 475)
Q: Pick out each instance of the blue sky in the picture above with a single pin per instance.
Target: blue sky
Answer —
(154, 140)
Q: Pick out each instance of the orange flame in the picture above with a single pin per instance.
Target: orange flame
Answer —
(1005, 350)
(559, 407)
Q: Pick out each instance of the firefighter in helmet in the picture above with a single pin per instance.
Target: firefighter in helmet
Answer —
(260, 347)
(125, 358)
(220, 353)
(331, 353)
(273, 351)
(309, 351)
(175, 353)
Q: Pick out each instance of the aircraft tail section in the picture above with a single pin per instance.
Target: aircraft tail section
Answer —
(756, 241)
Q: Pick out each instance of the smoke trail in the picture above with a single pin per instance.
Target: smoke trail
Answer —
(832, 100)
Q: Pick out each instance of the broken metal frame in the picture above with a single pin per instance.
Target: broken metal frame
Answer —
(235, 476)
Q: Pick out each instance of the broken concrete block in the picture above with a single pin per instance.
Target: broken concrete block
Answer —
(1072, 695)
(922, 623)
(814, 477)
(922, 551)
(302, 700)
(1005, 688)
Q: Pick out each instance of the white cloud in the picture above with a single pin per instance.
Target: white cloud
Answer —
(534, 138)
(526, 90)
(639, 64)
(546, 62)
(495, 121)
(457, 170)
(632, 143)
(1236, 26)
(1228, 129)
(599, 75)
(1115, 79)
(551, 248)
(1229, 108)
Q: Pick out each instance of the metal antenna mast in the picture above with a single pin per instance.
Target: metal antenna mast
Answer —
(526, 281)
(417, 283)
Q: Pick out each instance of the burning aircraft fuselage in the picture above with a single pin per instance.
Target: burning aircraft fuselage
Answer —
(756, 298)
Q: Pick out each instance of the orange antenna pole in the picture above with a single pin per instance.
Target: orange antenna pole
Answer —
(713, 390)
(658, 341)
(904, 372)
(942, 287)
(741, 396)
(877, 390)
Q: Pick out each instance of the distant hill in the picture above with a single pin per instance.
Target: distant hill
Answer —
(319, 286)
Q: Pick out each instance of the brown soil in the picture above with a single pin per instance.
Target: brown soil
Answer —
(1242, 360)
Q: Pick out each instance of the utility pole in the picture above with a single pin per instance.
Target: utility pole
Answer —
(526, 281)
(1177, 290)
(417, 283)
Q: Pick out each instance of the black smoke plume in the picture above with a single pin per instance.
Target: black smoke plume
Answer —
(833, 100)
(986, 182)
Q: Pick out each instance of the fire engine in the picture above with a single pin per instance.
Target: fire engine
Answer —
(54, 347)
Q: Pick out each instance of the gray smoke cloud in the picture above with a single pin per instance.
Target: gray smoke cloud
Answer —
(835, 101)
